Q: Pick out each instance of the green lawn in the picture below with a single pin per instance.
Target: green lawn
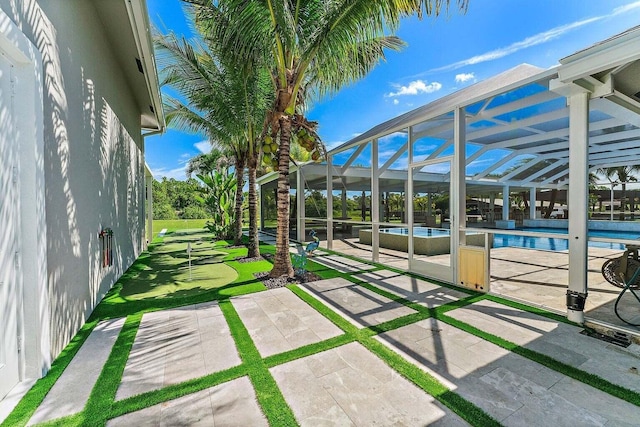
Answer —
(177, 224)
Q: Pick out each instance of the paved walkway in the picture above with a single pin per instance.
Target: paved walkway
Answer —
(350, 384)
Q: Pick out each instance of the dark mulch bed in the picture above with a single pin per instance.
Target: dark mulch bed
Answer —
(244, 259)
(279, 282)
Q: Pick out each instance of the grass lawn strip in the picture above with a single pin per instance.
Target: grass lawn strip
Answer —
(33, 398)
(269, 396)
(151, 398)
(465, 409)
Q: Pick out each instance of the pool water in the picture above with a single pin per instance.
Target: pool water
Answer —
(541, 243)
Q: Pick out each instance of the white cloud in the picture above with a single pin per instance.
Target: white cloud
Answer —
(177, 173)
(334, 144)
(396, 102)
(626, 8)
(461, 78)
(203, 146)
(534, 40)
(415, 87)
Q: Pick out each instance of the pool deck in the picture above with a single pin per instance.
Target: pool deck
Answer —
(536, 277)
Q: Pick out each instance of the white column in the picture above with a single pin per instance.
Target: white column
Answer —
(375, 202)
(492, 206)
(532, 203)
(459, 189)
(329, 202)
(300, 203)
(408, 196)
(506, 203)
(408, 201)
(578, 200)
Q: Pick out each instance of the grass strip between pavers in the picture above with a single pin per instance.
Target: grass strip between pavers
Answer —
(33, 398)
(269, 396)
(151, 398)
(97, 408)
(462, 407)
(307, 350)
(590, 379)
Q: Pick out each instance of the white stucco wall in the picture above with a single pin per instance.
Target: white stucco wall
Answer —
(93, 158)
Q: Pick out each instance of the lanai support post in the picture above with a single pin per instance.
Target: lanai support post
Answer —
(458, 174)
(578, 199)
(375, 203)
(330, 202)
(492, 207)
(532, 203)
(506, 203)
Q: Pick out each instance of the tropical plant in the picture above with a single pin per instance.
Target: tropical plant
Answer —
(226, 103)
(217, 194)
(207, 163)
(310, 47)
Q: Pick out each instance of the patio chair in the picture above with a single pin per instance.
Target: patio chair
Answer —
(624, 272)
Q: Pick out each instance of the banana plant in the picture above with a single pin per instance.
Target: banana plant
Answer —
(218, 194)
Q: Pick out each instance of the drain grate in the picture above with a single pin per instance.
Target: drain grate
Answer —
(618, 338)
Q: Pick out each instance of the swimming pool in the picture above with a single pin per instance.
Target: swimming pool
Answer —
(541, 243)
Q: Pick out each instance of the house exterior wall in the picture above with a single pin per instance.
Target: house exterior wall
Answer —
(93, 162)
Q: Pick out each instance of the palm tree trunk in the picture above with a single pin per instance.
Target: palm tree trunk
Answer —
(237, 224)
(282, 262)
(552, 203)
(254, 243)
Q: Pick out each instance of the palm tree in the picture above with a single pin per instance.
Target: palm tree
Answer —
(310, 47)
(623, 175)
(207, 163)
(226, 103)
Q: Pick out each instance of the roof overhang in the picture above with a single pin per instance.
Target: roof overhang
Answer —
(126, 23)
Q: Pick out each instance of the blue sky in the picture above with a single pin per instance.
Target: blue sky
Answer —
(443, 55)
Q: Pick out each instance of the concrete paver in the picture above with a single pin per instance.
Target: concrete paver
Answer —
(360, 306)
(341, 264)
(230, 404)
(348, 385)
(555, 339)
(279, 321)
(71, 392)
(514, 390)
(176, 345)
(420, 291)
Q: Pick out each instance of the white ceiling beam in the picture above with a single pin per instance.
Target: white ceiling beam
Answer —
(353, 157)
(496, 165)
(522, 168)
(395, 157)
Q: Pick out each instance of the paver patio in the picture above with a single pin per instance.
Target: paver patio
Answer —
(343, 379)
(176, 345)
(515, 390)
(277, 322)
(360, 306)
(350, 386)
(231, 403)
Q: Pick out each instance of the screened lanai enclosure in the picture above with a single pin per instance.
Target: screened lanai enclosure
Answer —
(498, 187)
